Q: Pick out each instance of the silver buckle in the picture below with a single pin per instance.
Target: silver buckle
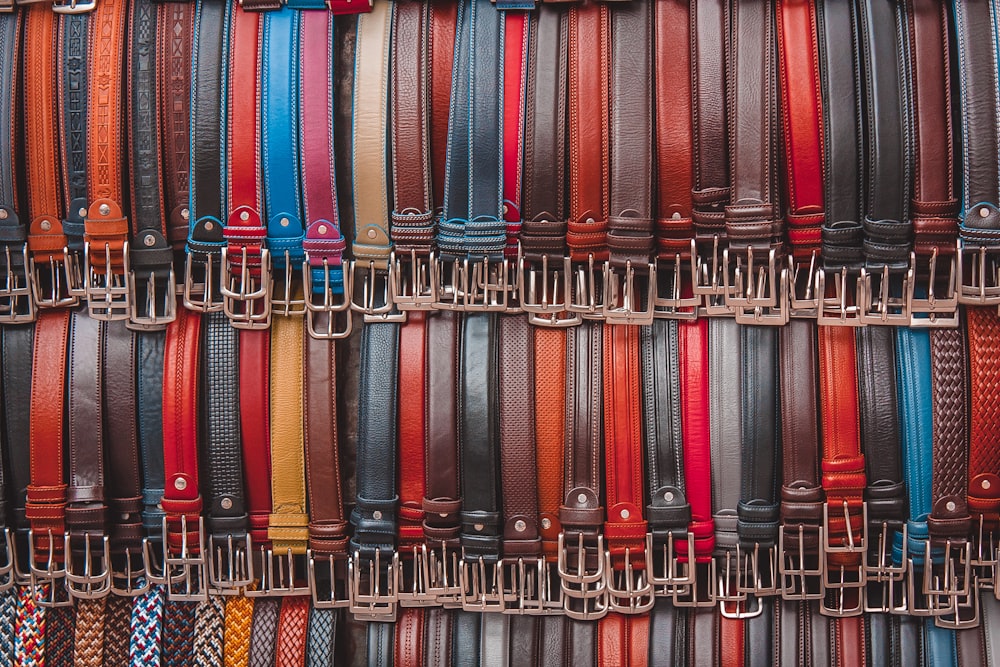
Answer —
(411, 578)
(230, 565)
(629, 589)
(8, 563)
(668, 302)
(983, 559)
(442, 572)
(59, 295)
(804, 296)
(52, 579)
(733, 599)
(17, 302)
(377, 286)
(127, 580)
(279, 574)
(539, 288)
(757, 293)
(950, 587)
(978, 268)
(799, 581)
(623, 299)
(710, 283)
(156, 318)
(185, 573)
(286, 299)
(928, 308)
(333, 590)
(373, 587)
(414, 287)
(880, 302)
(704, 593)
(202, 288)
(332, 326)
(758, 580)
(95, 579)
(840, 309)
(844, 584)
(74, 6)
(665, 572)
(584, 591)
(483, 586)
(883, 576)
(108, 294)
(245, 300)
(586, 291)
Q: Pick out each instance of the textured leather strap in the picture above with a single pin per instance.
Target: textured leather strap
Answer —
(438, 641)
(146, 626)
(725, 419)
(74, 121)
(441, 48)
(175, 75)
(255, 428)
(696, 434)
(293, 624)
(178, 633)
(18, 355)
(515, 33)
(322, 637)
(149, 397)
(550, 430)
(623, 640)
(409, 651)
(984, 418)
(209, 632)
(16, 301)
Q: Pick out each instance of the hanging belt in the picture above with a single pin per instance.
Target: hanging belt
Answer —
(848, 641)
(494, 640)
(630, 223)
(711, 189)
(623, 640)
(804, 127)
(842, 235)
(146, 627)
(438, 642)
(977, 78)
(323, 269)
(441, 49)
(409, 648)
(293, 622)
(18, 358)
(845, 522)
(255, 429)
(174, 76)
(209, 85)
(151, 279)
(581, 560)
(758, 639)
(264, 632)
(754, 279)
(178, 633)
(800, 535)
(322, 634)
(703, 637)
(934, 206)
(543, 280)
(880, 442)
(17, 303)
(667, 634)
(516, 37)
(884, 286)
(550, 438)
(46, 500)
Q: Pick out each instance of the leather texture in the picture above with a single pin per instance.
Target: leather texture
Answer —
(255, 428)
(984, 417)
(949, 512)
(293, 623)
(175, 44)
(696, 434)
(409, 650)
(442, 500)
(725, 422)
(413, 410)
(550, 430)
(149, 399)
(124, 483)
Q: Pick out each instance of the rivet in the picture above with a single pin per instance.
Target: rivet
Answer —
(284, 222)
(589, 221)
(377, 515)
(322, 230)
(105, 209)
(546, 523)
(668, 496)
(986, 484)
(149, 240)
(226, 503)
(505, 209)
(372, 233)
(46, 225)
(626, 514)
(478, 526)
(676, 216)
(185, 213)
(3, 214)
(443, 515)
(124, 516)
(581, 498)
(82, 212)
(180, 483)
(984, 212)
(209, 226)
(950, 505)
(519, 526)
(244, 216)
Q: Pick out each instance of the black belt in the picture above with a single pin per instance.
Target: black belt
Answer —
(17, 303)
(17, 365)
(74, 38)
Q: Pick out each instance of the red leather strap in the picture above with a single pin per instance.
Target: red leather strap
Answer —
(444, 16)
(731, 635)
(589, 153)
(849, 642)
(696, 434)
(181, 498)
(623, 640)
(340, 7)
(515, 61)
(984, 424)
(802, 117)
(411, 382)
(293, 629)
(255, 429)
(46, 502)
(409, 651)
(625, 528)
(843, 465)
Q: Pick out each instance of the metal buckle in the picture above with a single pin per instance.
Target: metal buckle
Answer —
(757, 580)
(230, 565)
(202, 289)
(377, 288)
(414, 287)
(667, 574)
(585, 595)
(843, 582)
(799, 581)
(126, 580)
(59, 295)
(95, 580)
(108, 294)
(186, 573)
(928, 308)
(882, 575)
(668, 301)
(523, 580)
(710, 283)
(804, 296)
(586, 292)
(373, 592)
(979, 275)
(491, 286)
(155, 319)
(246, 303)
(17, 302)
(330, 305)
(333, 590)
(850, 543)
(538, 290)
(482, 585)
(279, 575)
(949, 586)
(629, 589)
(882, 304)
(285, 295)
(912, 602)
(752, 284)
(74, 6)
(8, 562)
(623, 300)
(734, 600)
(411, 578)
(51, 579)
(704, 592)
(839, 309)
(983, 559)
(442, 572)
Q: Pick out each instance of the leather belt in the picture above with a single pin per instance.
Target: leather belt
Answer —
(803, 123)
(550, 438)
(516, 26)
(630, 223)
(934, 205)
(667, 634)
(883, 291)
(848, 641)
(209, 631)
(174, 46)
(732, 633)
(264, 632)
(623, 640)
(178, 632)
(702, 629)
(17, 303)
(753, 268)
(236, 631)
(322, 635)
(18, 358)
(441, 49)
(843, 467)
(254, 349)
(494, 639)
(409, 649)
(581, 560)
(438, 643)
(293, 622)
(977, 77)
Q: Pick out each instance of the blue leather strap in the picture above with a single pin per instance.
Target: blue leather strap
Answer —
(322, 637)
(74, 51)
(12, 231)
(913, 355)
(149, 400)
(306, 4)
(939, 645)
(279, 124)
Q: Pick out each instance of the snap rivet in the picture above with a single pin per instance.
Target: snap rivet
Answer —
(185, 213)
(443, 515)
(209, 226)
(82, 213)
(105, 209)
(590, 221)
(46, 225)
(582, 498)
(519, 526)
(984, 212)
(626, 514)
(244, 216)
(226, 503)
(986, 483)
(950, 506)
(149, 241)
(3, 214)
(180, 483)
(284, 222)
(546, 523)
(668, 496)
(124, 516)
(377, 515)
(478, 526)
(372, 233)
(321, 229)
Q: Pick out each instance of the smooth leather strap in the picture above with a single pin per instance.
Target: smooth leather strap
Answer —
(442, 500)
(696, 433)
(13, 233)
(984, 417)
(438, 642)
(667, 634)
(759, 638)
(949, 512)
(725, 420)
(255, 428)
(732, 642)
(465, 639)
(940, 645)
(703, 645)
(409, 650)
(515, 58)
(623, 640)
(441, 47)
(849, 642)
(494, 640)
(413, 409)
(17, 378)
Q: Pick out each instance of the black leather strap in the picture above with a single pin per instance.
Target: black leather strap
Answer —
(552, 641)
(149, 399)
(17, 364)
(465, 639)
(666, 634)
(758, 641)
(381, 640)
(74, 51)
(13, 232)
(725, 419)
(525, 647)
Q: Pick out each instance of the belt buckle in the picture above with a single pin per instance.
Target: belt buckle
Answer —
(64, 285)
(881, 301)
(185, 573)
(934, 309)
(9, 569)
(839, 309)
(584, 591)
(332, 326)
(799, 581)
(157, 316)
(669, 302)
(17, 299)
(759, 580)
(373, 592)
(734, 600)
(704, 593)
(664, 569)
(127, 580)
(949, 585)
(442, 573)
(108, 295)
(978, 268)
(202, 288)
(230, 566)
(844, 585)
(279, 575)
(883, 575)
(52, 579)
(538, 292)
(333, 590)
(710, 282)
(286, 299)
(623, 294)
(983, 559)
(376, 288)
(804, 296)
(414, 287)
(95, 580)
(757, 293)
(73, 6)
(482, 585)
(246, 303)
(629, 589)
(523, 580)
(411, 578)
(491, 286)
(586, 291)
